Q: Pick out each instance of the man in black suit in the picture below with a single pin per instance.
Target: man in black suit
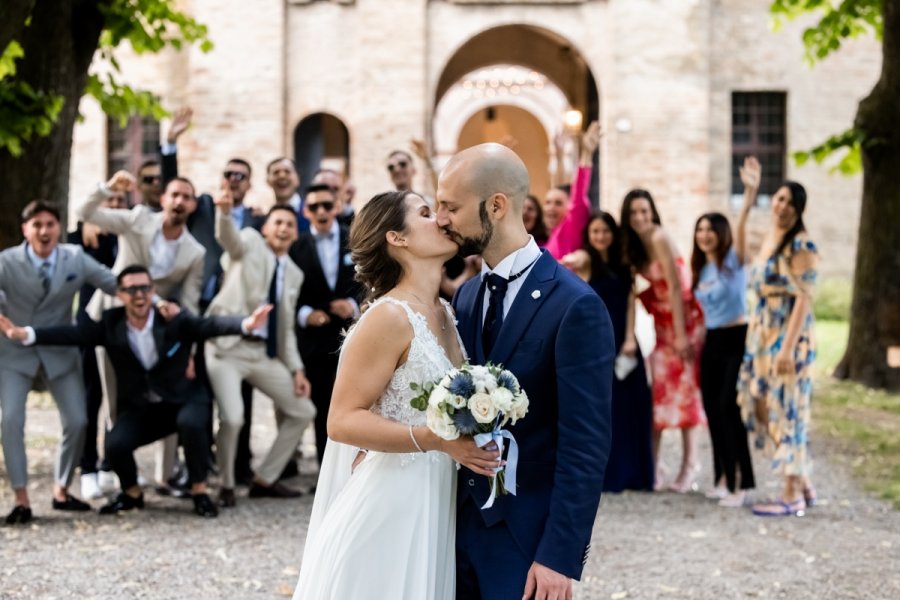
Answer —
(328, 300)
(155, 398)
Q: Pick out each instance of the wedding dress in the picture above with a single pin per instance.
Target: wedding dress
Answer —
(388, 529)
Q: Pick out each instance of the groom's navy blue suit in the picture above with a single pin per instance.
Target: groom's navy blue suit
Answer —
(557, 339)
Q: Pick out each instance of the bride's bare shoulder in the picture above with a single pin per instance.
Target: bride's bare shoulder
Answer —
(385, 322)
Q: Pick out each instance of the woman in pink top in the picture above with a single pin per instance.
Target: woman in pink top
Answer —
(566, 217)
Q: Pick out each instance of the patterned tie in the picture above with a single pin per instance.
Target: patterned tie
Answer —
(272, 325)
(44, 273)
(493, 320)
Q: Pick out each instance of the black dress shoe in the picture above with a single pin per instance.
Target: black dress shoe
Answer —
(276, 490)
(290, 470)
(19, 515)
(122, 502)
(204, 506)
(226, 498)
(71, 503)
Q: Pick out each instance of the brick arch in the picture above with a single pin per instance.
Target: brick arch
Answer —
(528, 45)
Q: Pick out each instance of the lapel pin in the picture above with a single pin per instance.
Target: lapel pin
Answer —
(536, 294)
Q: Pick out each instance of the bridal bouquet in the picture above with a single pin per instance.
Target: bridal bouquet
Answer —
(477, 401)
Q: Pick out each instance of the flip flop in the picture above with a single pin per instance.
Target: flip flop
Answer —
(780, 509)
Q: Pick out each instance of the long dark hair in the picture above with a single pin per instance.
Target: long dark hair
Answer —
(634, 249)
(719, 224)
(376, 269)
(539, 231)
(798, 201)
(613, 265)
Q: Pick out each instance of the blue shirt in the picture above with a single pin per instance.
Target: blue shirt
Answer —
(722, 292)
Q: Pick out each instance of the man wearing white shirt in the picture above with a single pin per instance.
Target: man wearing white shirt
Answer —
(258, 270)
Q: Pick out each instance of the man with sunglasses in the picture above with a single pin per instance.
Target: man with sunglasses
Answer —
(38, 282)
(401, 170)
(328, 300)
(155, 399)
(149, 185)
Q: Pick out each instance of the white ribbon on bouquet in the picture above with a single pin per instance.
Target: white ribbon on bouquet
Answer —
(512, 461)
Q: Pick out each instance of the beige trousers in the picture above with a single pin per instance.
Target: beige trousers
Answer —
(248, 361)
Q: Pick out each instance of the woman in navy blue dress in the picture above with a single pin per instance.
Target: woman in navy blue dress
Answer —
(600, 263)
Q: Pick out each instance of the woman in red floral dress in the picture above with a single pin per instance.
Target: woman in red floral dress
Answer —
(678, 318)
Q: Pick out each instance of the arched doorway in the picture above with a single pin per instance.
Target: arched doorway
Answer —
(321, 140)
(526, 67)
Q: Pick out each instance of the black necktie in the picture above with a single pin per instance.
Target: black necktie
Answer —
(493, 320)
(44, 273)
(272, 326)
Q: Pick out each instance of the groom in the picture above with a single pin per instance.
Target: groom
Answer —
(553, 332)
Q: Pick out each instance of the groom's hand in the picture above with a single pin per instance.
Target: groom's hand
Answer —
(544, 583)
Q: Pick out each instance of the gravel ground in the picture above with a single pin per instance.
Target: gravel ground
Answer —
(644, 546)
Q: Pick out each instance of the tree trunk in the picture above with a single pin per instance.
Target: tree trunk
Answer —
(59, 46)
(12, 20)
(875, 315)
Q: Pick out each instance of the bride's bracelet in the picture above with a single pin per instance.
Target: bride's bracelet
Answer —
(413, 438)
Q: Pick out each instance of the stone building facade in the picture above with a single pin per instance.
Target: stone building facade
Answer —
(660, 75)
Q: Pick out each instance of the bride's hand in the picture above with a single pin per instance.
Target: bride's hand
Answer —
(464, 451)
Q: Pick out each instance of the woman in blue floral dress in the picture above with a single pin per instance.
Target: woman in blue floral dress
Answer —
(775, 386)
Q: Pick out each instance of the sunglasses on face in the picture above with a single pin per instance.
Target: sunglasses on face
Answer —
(237, 175)
(149, 179)
(134, 290)
(314, 208)
(397, 165)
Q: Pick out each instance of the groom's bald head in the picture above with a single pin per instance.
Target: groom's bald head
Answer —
(488, 169)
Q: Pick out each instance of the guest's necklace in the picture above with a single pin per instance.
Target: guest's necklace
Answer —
(443, 313)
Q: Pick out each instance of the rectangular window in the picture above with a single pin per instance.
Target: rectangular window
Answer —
(127, 147)
(758, 128)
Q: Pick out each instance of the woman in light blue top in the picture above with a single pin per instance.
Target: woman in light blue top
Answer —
(720, 283)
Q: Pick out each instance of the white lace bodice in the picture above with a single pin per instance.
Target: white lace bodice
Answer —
(426, 362)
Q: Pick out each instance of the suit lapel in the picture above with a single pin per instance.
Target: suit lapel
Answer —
(534, 291)
(471, 302)
(61, 270)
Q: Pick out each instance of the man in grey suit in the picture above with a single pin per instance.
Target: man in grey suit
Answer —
(39, 280)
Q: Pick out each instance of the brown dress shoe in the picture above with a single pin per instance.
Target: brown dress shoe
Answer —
(275, 490)
(226, 498)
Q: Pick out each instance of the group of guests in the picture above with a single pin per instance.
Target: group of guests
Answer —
(715, 362)
(278, 289)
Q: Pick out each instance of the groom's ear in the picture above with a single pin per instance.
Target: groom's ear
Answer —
(498, 205)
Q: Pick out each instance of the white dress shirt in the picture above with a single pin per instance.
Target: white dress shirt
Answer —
(523, 258)
(142, 343)
(37, 261)
(163, 253)
(263, 330)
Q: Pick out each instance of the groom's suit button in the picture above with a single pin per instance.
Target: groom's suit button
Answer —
(471, 483)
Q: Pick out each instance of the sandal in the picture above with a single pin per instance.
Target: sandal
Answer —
(780, 508)
(809, 495)
(735, 500)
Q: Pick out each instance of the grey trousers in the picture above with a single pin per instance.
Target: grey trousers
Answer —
(68, 393)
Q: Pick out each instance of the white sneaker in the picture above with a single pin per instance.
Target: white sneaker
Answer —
(107, 481)
(90, 489)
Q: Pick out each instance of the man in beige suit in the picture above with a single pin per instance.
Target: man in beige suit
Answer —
(258, 271)
(159, 241)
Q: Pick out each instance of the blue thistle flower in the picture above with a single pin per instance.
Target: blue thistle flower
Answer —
(462, 385)
(465, 422)
(508, 380)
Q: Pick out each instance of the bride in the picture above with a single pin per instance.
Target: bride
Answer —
(383, 521)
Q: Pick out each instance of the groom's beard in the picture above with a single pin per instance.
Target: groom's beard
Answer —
(469, 246)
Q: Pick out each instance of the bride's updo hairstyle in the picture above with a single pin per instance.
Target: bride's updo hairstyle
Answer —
(376, 269)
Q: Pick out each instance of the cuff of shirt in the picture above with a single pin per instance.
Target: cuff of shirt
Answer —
(244, 329)
(303, 315)
(167, 149)
(103, 189)
(29, 336)
(356, 311)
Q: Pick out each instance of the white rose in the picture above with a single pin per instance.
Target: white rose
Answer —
(441, 424)
(445, 382)
(438, 394)
(456, 401)
(519, 407)
(503, 399)
(482, 408)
